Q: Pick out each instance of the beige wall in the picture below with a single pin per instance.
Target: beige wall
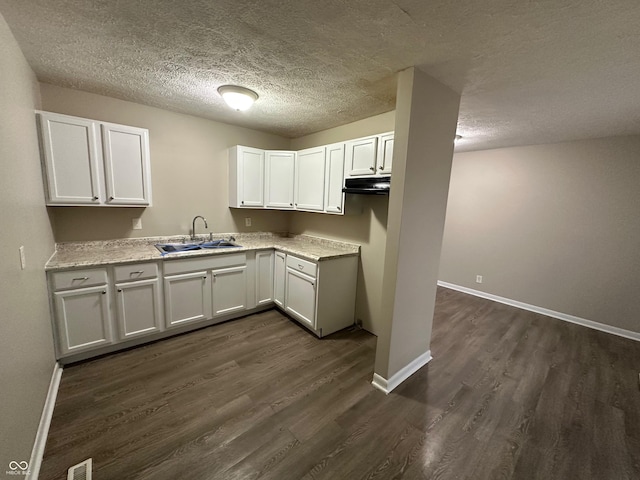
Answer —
(426, 118)
(557, 226)
(189, 172)
(365, 222)
(26, 346)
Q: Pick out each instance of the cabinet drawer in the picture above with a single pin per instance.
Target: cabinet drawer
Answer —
(222, 260)
(79, 278)
(136, 271)
(300, 265)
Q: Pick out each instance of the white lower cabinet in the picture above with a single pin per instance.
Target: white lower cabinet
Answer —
(229, 290)
(301, 297)
(264, 277)
(279, 278)
(321, 296)
(138, 308)
(187, 298)
(89, 320)
(83, 318)
(202, 288)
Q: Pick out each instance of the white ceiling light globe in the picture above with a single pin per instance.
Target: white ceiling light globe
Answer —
(238, 98)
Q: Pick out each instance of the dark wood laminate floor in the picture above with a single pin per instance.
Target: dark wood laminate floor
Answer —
(509, 395)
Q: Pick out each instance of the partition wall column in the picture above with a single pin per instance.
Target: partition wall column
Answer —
(426, 119)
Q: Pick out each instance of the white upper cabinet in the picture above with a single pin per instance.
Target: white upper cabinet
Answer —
(72, 158)
(84, 167)
(385, 154)
(309, 184)
(308, 180)
(246, 177)
(279, 179)
(334, 179)
(370, 155)
(361, 156)
(126, 162)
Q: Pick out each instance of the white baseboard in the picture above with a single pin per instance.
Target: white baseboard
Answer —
(45, 421)
(621, 332)
(387, 386)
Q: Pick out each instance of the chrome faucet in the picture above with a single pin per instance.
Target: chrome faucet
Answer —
(193, 225)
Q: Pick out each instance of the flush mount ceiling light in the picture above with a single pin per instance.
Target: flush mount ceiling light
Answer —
(238, 98)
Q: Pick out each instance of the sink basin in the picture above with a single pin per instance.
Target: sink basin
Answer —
(187, 247)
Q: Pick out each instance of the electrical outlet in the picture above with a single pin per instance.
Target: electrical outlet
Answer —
(137, 223)
(478, 278)
(247, 221)
(23, 260)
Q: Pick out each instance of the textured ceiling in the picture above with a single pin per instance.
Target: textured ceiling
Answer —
(529, 71)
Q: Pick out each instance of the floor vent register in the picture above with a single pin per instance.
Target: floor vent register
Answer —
(81, 471)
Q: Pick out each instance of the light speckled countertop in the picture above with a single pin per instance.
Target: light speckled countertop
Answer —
(130, 250)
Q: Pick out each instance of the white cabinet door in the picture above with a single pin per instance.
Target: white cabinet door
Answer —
(126, 163)
(264, 277)
(279, 179)
(72, 157)
(361, 156)
(251, 177)
(279, 278)
(138, 308)
(187, 298)
(385, 153)
(83, 318)
(334, 179)
(301, 296)
(229, 290)
(310, 171)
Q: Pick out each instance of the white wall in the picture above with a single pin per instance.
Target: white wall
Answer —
(188, 172)
(26, 345)
(556, 226)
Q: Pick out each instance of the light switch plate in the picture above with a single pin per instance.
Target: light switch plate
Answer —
(247, 221)
(137, 223)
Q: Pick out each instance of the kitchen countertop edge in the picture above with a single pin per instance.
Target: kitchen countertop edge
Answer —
(92, 254)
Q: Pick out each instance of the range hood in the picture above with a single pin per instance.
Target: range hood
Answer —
(367, 185)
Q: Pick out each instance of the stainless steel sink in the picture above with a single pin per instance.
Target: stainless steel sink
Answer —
(187, 247)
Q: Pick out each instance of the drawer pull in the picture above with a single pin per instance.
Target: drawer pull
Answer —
(104, 292)
(138, 272)
(95, 198)
(301, 267)
(120, 290)
(372, 169)
(80, 279)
